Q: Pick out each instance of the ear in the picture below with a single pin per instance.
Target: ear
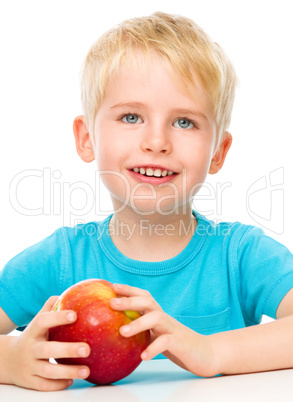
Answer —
(83, 141)
(220, 156)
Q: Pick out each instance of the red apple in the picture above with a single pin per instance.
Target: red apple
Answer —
(112, 356)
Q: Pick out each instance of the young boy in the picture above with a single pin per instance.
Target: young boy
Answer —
(157, 95)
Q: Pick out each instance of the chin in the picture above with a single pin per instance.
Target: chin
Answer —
(163, 208)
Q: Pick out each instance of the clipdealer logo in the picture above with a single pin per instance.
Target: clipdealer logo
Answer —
(73, 201)
(265, 201)
(36, 192)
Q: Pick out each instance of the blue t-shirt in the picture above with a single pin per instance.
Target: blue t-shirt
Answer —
(227, 277)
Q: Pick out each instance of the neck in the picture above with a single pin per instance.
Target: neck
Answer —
(153, 237)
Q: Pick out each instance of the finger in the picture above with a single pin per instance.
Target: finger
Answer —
(175, 349)
(49, 304)
(57, 350)
(47, 385)
(159, 345)
(126, 290)
(158, 321)
(61, 371)
(135, 303)
(43, 321)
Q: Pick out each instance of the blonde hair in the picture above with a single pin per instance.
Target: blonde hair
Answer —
(180, 42)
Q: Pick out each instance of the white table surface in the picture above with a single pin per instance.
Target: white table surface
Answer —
(161, 380)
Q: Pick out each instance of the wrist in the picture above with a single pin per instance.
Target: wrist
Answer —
(7, 348)
(204, 359)
(213, 361)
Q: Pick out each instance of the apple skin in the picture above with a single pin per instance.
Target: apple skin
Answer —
(112, 356)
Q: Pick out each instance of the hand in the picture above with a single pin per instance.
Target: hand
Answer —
(185, 347)
(29, 365)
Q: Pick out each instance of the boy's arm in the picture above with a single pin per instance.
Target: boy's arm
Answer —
(258, 348)
(286, 306)
(6, 324)
(261, 347)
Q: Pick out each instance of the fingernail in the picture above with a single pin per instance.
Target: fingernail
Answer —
(83, 373)
(117, 301)
(144, 355)
(71, 317)
(125, 328)
(82, 351)
(117, 286)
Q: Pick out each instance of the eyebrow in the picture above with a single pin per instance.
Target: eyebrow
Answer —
(190, 111)
(128, 104)
(179, 111)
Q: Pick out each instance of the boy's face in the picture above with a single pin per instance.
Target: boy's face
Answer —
(153, 143)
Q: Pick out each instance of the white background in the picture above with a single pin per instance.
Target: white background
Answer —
(42, 47)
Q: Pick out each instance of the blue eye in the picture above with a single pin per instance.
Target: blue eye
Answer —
(131, 119)
(183, 123)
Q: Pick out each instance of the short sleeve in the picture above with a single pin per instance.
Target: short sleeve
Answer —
(31, 277)
(266, 274)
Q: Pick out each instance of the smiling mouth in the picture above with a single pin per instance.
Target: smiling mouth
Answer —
(153, 172)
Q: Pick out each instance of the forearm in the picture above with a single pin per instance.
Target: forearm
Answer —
(258, 348)
(6, 345)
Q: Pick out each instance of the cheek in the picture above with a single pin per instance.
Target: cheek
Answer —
(107, 155)
(197, 168)
(116, 184)
(198, 158)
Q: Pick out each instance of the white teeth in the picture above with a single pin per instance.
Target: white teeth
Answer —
(153, 172)
(149, 172)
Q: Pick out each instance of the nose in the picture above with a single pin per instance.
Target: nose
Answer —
(156, 141)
